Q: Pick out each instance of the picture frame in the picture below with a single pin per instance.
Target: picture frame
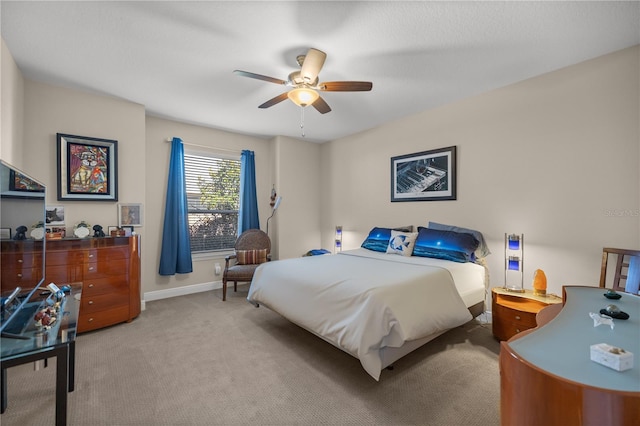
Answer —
(117, 231)
(5, 233)
(424, 176)
(56, 232)
(130, 214)
(54, 215)
(87, 168)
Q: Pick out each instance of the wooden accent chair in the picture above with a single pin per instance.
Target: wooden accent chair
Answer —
(252, 248)
(627, 265)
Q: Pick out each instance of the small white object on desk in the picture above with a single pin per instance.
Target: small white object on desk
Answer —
(612, 357)
(599, 319)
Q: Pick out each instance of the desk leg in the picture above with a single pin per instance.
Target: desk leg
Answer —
(3, 390)
(72, 365)
(62, 385)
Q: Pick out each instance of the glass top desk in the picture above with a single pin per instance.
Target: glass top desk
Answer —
(58, 341)
(548, 376)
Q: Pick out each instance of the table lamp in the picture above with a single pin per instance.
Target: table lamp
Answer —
(514, 262)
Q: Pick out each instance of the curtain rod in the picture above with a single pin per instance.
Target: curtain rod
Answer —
(235, 151)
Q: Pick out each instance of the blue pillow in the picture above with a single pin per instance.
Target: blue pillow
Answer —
(378, 239)
(481, 251)
(448, 245)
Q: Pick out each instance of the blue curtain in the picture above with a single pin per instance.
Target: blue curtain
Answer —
(176, 245)
(248, 210)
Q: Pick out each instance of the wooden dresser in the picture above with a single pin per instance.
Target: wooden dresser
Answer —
(512, 313)
(109, 269)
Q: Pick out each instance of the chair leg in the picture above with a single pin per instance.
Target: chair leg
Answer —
(224, 290)
(235, 286)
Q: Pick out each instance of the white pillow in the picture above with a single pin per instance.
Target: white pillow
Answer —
(402, 242)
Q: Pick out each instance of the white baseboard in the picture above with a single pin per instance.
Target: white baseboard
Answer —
(179, 291)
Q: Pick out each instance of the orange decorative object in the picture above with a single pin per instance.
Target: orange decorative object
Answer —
(539, 282)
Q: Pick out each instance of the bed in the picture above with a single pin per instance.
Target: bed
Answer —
(376, 306)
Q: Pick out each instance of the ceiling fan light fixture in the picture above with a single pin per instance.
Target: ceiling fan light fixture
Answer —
(303, 96)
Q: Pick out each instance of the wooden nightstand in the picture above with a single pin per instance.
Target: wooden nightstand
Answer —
(515, 312)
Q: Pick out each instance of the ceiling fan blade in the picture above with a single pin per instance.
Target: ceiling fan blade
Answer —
(321, 106)
(345, 86)
(271, 102)
(259, 77)
(312, 64)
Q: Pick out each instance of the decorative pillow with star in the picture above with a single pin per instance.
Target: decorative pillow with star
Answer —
(402, 243)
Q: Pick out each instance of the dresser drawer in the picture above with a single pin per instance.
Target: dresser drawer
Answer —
(63, 274)
(103, 302)
(518, 317)
(110, 269)
(21, 277)
(21, 260)
(94, 287)
(63, 257)
(105, 254)
(93, 321)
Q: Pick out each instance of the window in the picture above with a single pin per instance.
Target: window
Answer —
(213, 197)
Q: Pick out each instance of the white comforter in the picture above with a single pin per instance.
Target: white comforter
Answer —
(362, 301)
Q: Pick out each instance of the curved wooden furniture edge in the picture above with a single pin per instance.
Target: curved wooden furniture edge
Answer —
(530, 396)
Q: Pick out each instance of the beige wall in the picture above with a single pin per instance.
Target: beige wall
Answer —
(11, 108)
(554, 157)
(298, 181)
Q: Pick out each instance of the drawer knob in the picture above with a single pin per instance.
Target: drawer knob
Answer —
(20, 261)
(19, 275)
(91, 302)
(517, 317)
(90, 255)
(90, 319)
(517, 330)
(91, 268)
(90, 285)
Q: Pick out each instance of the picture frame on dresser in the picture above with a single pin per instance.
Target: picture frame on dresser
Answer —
(87, 168)
(5, 233)
(130, 214)
(424, 176)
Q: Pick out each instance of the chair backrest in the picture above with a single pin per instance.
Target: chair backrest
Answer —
(626, 273)
(253, 239)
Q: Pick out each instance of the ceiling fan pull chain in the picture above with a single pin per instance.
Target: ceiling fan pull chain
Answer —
(302, 121)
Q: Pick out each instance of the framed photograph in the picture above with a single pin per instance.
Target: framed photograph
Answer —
(129, 214)
(424, 176)
(116, 231)
(87, 168)
(56, 232)
(5, 233)
(54, 215)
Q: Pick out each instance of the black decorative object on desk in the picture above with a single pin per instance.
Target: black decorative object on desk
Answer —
(611, 294)
(614, 312)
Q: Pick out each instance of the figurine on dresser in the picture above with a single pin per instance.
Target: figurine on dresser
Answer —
(21, 233)
(97, 231)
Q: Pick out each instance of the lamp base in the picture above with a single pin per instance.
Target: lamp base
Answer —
(514, 289)
(539, 292)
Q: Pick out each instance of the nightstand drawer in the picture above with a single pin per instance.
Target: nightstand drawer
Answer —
(515, 316)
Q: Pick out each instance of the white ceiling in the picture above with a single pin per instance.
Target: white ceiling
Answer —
(176, 58)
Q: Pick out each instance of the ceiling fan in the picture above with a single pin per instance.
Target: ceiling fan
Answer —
(305, 85)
